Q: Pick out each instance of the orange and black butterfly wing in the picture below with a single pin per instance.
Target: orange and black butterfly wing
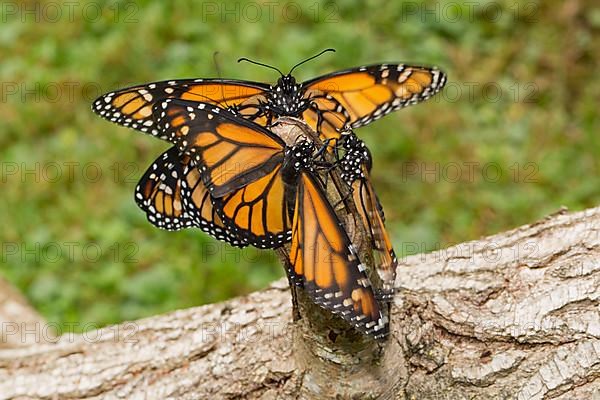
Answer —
(257, 211)
(240, 163)
(358, 96)
(324, 262)
(159, 194)
(202, 208)
(356, 164)
(230, 151)
(132, 107)
(173, 197)
(369, 210)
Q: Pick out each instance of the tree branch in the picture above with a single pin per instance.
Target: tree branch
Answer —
(513, 315)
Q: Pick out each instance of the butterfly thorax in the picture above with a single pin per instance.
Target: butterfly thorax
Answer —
(356, 155)
(286, 98)
(297, 158)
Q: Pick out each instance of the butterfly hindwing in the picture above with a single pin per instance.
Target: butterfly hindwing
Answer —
(368, 208)
(173, 197)
(257, 211)
(158, 193)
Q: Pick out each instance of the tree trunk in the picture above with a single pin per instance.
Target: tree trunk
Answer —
(511, 316)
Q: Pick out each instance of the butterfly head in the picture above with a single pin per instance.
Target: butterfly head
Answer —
(287, 97)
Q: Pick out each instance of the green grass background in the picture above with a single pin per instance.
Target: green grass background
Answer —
(522, 99)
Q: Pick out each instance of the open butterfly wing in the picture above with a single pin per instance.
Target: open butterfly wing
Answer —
(326, 116)
(159, 194)
(132, 107)
(257, 211)
(173, 197)
(324, 262)
(240, 163)
(230, 151)
(358, 96)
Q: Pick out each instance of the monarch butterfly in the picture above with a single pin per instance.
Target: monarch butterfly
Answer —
(329, 104)
(267, 189)
(356, 165)
(173, 197)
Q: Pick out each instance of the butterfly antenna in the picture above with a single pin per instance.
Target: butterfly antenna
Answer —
(216, 61)
(261, 64)
(311, 58)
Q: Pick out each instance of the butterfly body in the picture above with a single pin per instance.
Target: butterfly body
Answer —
(297, 158)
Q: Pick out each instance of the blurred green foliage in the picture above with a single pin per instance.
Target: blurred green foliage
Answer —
(513, 137)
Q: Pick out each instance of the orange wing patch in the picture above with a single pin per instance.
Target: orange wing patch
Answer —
(345, 82)
(324, 262)
(230, 151)
(257, 212)
(220, 94)
(132, 107)
(326, 116)
(368, 93)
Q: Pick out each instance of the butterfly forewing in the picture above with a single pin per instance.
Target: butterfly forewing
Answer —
(368, 93)
(229, 150)
(132, 107)
(240, 164)
(334, 102)
(326, 264)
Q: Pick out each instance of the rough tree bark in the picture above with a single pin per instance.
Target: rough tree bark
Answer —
(515, 315)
